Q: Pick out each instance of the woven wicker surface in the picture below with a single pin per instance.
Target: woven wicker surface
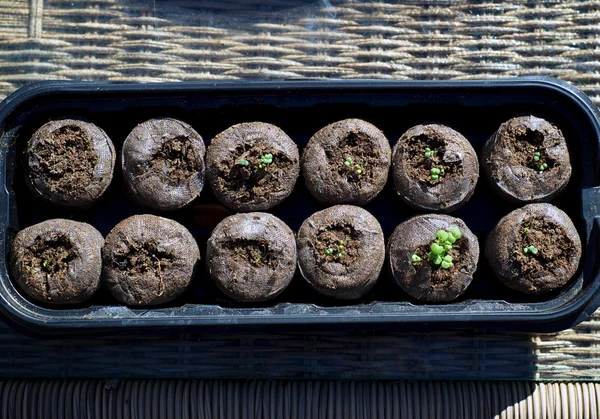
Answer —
(133, 40)
(297, 399)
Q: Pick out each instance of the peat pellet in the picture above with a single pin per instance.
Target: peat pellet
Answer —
(57, 261)
(535, 249)
(433, 257)
(341, 251)
(252, 166)
(251, 257)
(69, 162)
(148, 260)
(346, 162)
(434, 168)
(163, 164)
(527, 160)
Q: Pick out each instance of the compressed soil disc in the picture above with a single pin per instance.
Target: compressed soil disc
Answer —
(163, 164)
(346, 162)
(251, 257)
(424, 280)
(552, 261)
(57, 261)
(69, 162)
(434, 168)
(527, 160)
(252, 166)
(148, 260)
(341, 251)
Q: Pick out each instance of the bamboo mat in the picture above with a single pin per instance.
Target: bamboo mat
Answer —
(136, 40)
(297, 399)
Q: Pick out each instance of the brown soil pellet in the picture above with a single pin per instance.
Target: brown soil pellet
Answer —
(252, 257)
(450, 153)
(57, 261)
(341, 251)
(163, 164)
(69, 162)
(547, 229)
(510, 164)
(148, 260)
(237, 174)
(424, 280)
(346, 162)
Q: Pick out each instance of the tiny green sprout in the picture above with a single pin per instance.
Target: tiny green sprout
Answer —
(428, 152)
(341, 254)
(45, 263)
(243, 162)
(358, 169)
(329, 251)
(341, 241)
(526, 229)
(340, 246)
(438, 259)
(536, 156)
(261, 166)
(442, 235)
(266, 158)
(455, 231)
(435, 171)
(531, 249)
(436, 249)
(415, 258)
(434, 177)
(348, 161)
(543, 167)
(447, 247)
(257, 260)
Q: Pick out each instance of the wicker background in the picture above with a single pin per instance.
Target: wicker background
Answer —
(130, 40)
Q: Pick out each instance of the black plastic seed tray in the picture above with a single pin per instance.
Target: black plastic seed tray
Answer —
(474, 108)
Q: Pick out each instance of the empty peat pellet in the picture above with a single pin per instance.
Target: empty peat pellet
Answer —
(252, 166)
(433, 257)
(346, 162)
(251, 257)
(57, 261)
(535, 249)
(163, 164)
(148, 260)
(69, 162)
(434, 168)
(341, 251)
(527, 160)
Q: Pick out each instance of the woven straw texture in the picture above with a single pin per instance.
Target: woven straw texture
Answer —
(297, 399)
(135, 40)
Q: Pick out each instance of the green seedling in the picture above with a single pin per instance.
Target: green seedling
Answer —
(243, 162)
(531, 249)
(536, 156)
(329, 251)
(526, 229)
(341, 254)
(415, 258)
(543, 167)
(348, 161)
(434, 173)
(45, 263)
(441, 247)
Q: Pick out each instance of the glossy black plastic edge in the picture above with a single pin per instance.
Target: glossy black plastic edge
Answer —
(63, 321)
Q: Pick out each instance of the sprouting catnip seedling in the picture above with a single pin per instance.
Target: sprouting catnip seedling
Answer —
(441, 247)
(358, 169)
(531, 249)
(536, 156)
(434, 173)
(243, 162)
(429, 152)
(265, 159)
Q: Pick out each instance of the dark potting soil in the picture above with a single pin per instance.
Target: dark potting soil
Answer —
(67, 159)
(253, 252)
(342, 239)
(419, 166)
(176, 160)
